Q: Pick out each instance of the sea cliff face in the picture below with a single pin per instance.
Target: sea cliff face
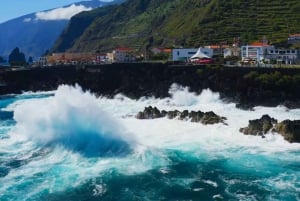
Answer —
(245, 86)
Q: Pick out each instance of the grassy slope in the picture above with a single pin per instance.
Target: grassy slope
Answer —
(144, 23)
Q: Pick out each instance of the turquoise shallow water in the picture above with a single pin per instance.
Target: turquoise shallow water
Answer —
(81, 158)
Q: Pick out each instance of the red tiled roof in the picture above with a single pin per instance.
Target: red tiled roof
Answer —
(293, 35)
(258, 44)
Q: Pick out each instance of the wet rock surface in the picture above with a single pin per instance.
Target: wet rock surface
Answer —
(194, 116)
(290, 130)
(259, 126)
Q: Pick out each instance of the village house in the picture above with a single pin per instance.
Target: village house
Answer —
(121, 55)
(70, 58)
(217, 49)
(255, 52)
(294, 38)
(159, 50)
(283, 56)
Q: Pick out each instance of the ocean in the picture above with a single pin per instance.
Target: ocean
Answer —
(71, 145)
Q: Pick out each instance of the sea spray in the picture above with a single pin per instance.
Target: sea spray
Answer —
(72, 118)
(176, 160)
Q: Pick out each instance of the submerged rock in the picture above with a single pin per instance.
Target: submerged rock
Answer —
(290, 130)
(195, 116)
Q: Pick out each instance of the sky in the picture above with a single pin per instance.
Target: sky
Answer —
(10, 9)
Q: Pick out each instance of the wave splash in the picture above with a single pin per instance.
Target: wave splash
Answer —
(72, 119)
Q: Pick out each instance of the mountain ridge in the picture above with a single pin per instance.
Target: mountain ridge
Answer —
(35, 36)
(189, 23)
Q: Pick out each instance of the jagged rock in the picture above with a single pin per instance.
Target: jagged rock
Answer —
(259, 126)
(149, 113)
(290, 130)
(211, 118)
(173, 114)
(196, 116)
(204, 118)
(184, 115)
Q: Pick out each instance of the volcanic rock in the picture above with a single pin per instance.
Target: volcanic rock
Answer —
(259, 126)
(195, 116)
(290, 130)
(149, 113)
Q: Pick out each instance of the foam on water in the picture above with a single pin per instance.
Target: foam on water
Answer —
(56, 137)
(71, 118)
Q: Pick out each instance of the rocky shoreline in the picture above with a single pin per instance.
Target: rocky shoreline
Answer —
(290, 130)
(247, 87)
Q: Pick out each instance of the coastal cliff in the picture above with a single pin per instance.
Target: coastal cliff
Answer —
(245, 86)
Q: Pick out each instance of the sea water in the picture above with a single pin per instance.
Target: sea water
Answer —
(71, 145)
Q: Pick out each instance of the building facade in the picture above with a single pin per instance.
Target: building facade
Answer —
(255, 52)
(183, 54)
(121, 55)
(284, 56)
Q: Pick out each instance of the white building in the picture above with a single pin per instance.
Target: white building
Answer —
(256, 51)
(122, 55)
(285, 56)
(184, 54)
(294, 38)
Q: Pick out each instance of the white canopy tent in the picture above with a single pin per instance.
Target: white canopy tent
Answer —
(203, 53)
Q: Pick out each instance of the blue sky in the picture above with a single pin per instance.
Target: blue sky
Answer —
(10, 9)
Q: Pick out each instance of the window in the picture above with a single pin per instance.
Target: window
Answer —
(178, 53)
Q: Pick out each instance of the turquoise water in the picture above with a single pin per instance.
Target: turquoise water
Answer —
(70, 145)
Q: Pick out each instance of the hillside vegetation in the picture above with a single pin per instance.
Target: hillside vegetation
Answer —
(174, 23)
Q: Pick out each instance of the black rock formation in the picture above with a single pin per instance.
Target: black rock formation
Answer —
(195, 116)
(290, 130)
(259, 126)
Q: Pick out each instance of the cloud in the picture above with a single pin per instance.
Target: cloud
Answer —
(61, 13)
(27, 19)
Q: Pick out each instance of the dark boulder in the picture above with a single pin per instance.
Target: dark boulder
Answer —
(173, 114)
(259, 126)
(211, 118)
(149, 113)
(194, 116)
(290, 130)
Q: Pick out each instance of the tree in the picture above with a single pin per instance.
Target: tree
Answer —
(17, 58)
(2, 60)
(30, 60)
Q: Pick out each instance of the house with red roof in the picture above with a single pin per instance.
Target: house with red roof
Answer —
(255, 52)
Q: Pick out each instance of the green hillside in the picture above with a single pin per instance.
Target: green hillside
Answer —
(173, 23)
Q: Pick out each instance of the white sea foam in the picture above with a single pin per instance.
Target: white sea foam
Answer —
(72, 116)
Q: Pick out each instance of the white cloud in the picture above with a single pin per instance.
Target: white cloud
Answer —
(61, 13)
(27, 19)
